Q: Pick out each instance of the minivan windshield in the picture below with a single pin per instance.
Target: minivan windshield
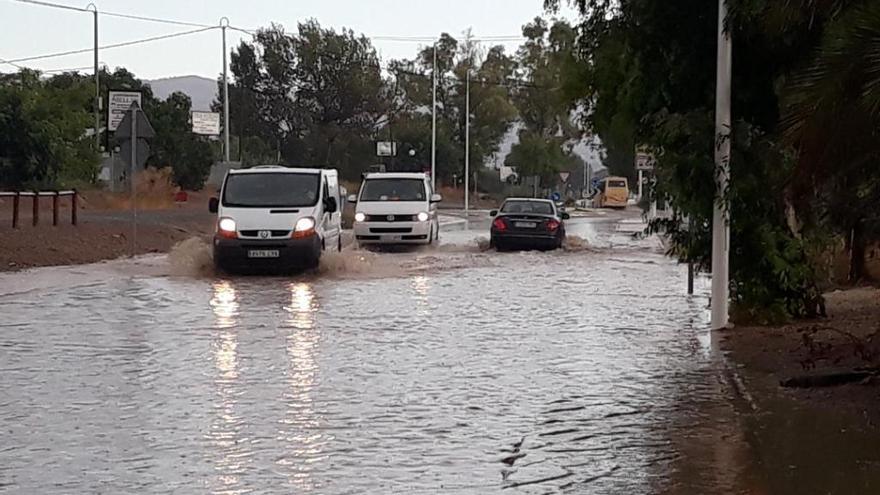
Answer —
(271, 190)
(394, 190)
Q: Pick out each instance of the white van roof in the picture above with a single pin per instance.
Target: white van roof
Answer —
(396, 175)
(280, 169)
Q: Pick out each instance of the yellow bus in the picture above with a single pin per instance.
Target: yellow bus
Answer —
(613, 193)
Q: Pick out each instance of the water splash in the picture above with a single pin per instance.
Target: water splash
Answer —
(192, 257)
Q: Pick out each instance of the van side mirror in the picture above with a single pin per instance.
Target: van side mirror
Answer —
(331, 205)
(493, 213)
(352, 198)
(436, 198)
(564, 215)
(213, 205)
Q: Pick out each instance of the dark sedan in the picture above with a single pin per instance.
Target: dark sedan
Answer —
(524, 223)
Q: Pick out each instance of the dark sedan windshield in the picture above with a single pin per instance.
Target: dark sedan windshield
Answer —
(524, 206)
(394, 190)
(271, 190)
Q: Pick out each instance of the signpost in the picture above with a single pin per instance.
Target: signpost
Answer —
(564, 176)
(133, 131)
(119, 103)
(206, 123)
(644, 162)
(386, 148)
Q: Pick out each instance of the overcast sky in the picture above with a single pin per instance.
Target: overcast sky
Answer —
(27, 30)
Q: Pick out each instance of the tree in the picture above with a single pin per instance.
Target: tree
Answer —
(42, 132)
(546, 112)
(189, 156)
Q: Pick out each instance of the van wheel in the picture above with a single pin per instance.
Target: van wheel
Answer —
(339, 243)
(431, 236)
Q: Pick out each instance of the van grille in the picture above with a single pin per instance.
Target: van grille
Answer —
(272, 233)
(391, 218)
(391, 230)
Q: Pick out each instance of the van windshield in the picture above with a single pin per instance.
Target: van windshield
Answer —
(271, 190)
(394, 190)
(617, 183)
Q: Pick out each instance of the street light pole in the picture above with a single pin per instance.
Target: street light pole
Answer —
(97, 82)
(721, 211)
(434, 122)
(467, 138)
(224, 22)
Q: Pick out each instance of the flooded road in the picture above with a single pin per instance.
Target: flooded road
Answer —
(452, 370)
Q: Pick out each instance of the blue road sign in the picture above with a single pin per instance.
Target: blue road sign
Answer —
(555, 196)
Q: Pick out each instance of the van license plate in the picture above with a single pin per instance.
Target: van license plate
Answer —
(263, 253)
(395, 237)
(525, 225)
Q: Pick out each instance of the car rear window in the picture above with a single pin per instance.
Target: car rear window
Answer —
(538, 207)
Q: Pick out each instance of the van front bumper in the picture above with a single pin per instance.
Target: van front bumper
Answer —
(393, 232)
(248, 254)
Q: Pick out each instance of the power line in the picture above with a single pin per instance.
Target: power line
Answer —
(53, 5)
(4, 61)
(115, 45)
(154, 19)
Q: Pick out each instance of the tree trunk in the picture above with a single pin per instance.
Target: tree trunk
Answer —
(857, 251)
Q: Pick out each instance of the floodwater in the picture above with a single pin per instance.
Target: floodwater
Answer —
(449, 370)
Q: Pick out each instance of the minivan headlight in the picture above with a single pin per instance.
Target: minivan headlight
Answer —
(304, 224)
(423, 217)
(359, 217)
(226, 225)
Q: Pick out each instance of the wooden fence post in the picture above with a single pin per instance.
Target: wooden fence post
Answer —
(15, 201)
(36, 219)
(55, 209)
(73, 208)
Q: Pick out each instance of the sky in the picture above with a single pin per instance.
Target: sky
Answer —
(28, 30)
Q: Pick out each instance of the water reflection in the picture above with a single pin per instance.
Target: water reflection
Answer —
(225, 430)
(421, 285)
(299, 427)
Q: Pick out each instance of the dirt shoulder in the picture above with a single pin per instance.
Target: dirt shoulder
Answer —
(846, 341)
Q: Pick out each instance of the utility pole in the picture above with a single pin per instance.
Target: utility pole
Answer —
(434, 123)
(224, 22)
(94, 9)
(467, 138)
(134, 215)
(721, 211)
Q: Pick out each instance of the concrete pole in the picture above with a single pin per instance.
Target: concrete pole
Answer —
(134, 111)
(97, 86)
(721, 214)
(641, 179)
(223, 23)
(467, 139)
(434, 122)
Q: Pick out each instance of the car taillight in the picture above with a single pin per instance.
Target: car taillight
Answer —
(552, 225)
(499, 224)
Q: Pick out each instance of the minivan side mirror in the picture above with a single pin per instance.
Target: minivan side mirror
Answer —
(564, 215)
(352, 198)
(213, 205)
(493, 213)
(436, 198)
(331, 205)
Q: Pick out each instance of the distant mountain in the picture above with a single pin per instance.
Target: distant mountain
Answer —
(201, 90)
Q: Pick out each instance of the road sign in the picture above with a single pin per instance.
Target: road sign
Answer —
(118, 104)
(555, 196)
(144, 129)
(644, 161)
(142, 152)
(386, 148)
(564, 176)
(206, 123)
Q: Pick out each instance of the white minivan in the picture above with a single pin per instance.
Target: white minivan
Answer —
(396, 208)
(274, 217)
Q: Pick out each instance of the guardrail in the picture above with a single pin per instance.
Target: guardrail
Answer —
(36, 195)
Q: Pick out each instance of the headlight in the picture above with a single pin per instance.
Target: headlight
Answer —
(226, 225)
(305, 224)
(359, 217)
(423, 217)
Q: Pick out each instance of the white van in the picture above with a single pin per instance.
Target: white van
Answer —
(274, 217)
(396, 208)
